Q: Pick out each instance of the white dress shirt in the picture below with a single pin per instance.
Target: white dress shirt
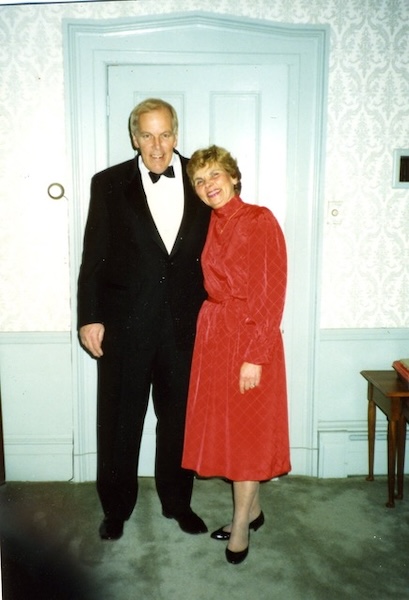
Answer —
(165, 200)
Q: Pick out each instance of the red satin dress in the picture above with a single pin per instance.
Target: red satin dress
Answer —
(241, 437)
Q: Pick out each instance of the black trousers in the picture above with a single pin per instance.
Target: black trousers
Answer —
(126, 373)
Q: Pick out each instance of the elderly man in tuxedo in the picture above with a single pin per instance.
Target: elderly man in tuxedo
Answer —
(140, 288)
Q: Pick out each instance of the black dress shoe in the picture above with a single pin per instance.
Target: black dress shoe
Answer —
(111, 529)
(189, 522)
(222, 535)
(235, 558)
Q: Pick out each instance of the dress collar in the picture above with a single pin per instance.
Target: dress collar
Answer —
(227, 210)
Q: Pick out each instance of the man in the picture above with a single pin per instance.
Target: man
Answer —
(139, 292)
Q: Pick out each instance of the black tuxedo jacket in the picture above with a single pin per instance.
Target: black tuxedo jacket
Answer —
(127, 277)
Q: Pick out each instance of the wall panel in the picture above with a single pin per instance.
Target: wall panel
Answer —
(35, 375)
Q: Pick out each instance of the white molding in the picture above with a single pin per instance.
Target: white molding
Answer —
(36, 375)
(88, 47)
(352, 427)
(342, 392)
(379, 333)
(13, 441)
(85, 467)
(304, 461)
(34, 337)
(343, 452)
(38, 458)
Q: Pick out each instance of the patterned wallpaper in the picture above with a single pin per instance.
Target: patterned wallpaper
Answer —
(365, 255)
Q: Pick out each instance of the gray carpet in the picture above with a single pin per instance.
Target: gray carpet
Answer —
(323, 539)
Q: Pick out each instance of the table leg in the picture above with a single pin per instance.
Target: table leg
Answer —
(392, 435)
(371, 432)
(401, 455)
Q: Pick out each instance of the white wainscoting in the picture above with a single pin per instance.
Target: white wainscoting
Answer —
(37, 402)
(37, 407)
(341, 397)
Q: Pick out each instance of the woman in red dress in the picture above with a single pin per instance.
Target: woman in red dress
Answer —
(236, 423)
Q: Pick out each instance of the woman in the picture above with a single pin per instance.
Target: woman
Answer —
(237, 425)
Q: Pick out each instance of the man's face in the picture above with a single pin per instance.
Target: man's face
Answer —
(155, 139)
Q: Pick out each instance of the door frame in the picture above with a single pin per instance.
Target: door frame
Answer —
(89, 47)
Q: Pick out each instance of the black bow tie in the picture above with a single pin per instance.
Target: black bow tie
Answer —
(168, 173)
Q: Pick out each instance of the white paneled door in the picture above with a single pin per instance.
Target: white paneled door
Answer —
(255, 87)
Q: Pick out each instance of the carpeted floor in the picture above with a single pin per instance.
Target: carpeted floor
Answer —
(323, 539)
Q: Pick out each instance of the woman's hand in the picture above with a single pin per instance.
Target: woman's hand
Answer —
(250, 376)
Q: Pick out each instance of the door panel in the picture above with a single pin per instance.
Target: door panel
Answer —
(241, 107)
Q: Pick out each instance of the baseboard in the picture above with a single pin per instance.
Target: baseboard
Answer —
(36, 458)
(343, 450)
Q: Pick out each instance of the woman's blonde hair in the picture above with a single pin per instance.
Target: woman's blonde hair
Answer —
(214, 155)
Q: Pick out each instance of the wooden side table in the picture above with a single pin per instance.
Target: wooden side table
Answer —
(387, 392)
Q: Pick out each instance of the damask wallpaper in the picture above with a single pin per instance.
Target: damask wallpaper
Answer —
(365, 254)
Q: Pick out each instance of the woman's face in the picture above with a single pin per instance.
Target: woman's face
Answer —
(214, 186)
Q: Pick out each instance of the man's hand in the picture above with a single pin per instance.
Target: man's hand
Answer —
(91, 337)
(250, 376)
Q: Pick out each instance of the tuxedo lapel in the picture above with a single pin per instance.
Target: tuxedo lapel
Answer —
(136, 198)
(191, 203)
